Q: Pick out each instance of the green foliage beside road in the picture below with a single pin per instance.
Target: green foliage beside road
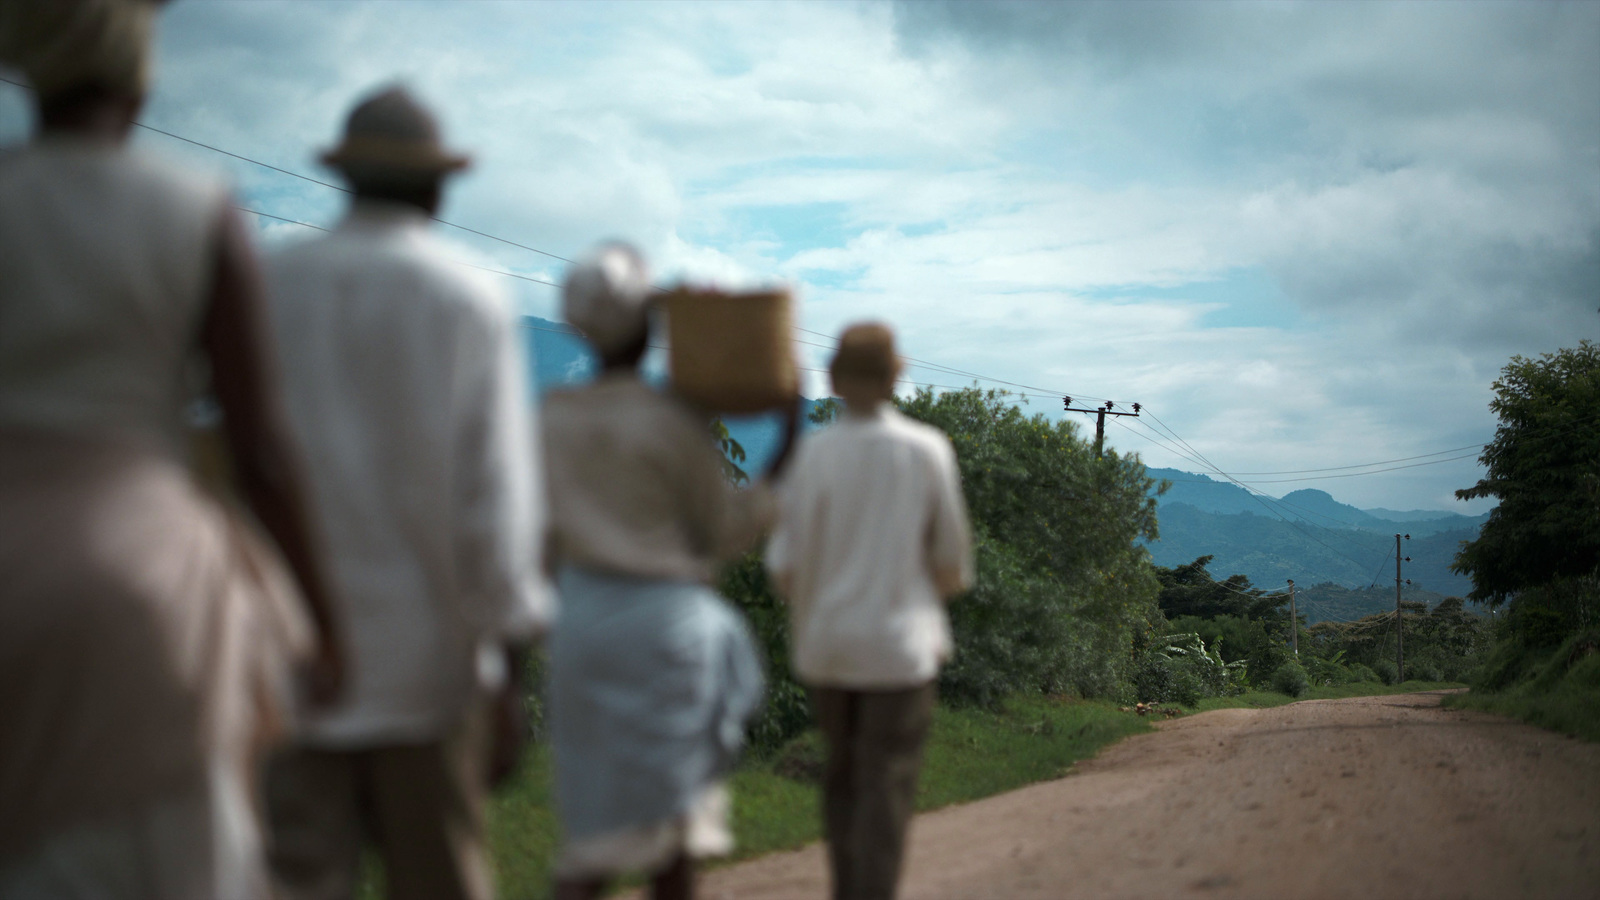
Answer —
(1064, 597)
(1267, 699)
(1537, 560)
(1544, 468)
(1064, 592)
(1560, 691)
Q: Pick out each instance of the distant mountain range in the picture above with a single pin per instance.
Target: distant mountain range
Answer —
(1306, 535)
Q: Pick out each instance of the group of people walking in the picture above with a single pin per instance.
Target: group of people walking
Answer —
(233, 687)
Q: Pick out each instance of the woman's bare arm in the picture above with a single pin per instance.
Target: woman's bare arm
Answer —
(235, 338)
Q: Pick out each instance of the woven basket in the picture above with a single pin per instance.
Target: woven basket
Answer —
(732, 353)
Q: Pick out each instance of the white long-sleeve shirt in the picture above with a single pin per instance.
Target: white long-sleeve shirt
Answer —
(872, 537)
(404, 388)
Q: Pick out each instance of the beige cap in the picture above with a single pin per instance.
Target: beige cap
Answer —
(866, 351)
(65, 44)
(390, 133)
(607, 297)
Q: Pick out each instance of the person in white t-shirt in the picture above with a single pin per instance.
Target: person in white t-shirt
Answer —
(872, 539)
(405, 386)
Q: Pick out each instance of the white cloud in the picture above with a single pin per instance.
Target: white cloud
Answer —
(1060, 195)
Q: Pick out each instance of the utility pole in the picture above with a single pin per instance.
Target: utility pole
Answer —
(1399, 625)
(1100, 419)
(1294, 622)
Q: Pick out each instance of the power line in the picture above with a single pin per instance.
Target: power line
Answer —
(1029, 390)
(459, 262)
(327, 184)
(1346, 475)
(938, 367)
(1381, 462)
(578, 334)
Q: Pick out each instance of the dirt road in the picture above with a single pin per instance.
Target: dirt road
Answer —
(1373, 797)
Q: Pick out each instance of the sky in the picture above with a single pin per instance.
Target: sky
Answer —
(1302, 235)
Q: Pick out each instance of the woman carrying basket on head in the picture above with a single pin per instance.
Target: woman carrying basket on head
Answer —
(652, 675)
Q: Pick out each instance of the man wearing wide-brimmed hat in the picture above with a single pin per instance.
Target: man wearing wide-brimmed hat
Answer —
(872, 539)
(404, 385)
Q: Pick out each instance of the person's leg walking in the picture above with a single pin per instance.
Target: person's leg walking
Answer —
(313, 807)
(676, 881)
(429, 816)
(836, 717)
(893, 727)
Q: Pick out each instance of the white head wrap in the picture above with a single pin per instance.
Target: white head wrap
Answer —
(607, 297)
(64, 44)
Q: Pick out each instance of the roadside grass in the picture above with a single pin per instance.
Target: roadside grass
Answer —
(1265, 699)
(1562, 693)
(971, 753)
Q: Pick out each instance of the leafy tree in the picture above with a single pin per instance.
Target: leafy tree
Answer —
(1063, 590)
(732, 452)
(825, 410)
(1544, 467)
(1241, 640)
(1188, 590)
(1445, 643)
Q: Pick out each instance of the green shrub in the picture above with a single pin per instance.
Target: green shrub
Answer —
(1388, 672)
(1359, 673)
(1179, 669)
(1332, 671)
(1291, 679)
(1239, 640)
(1560, 689)
(787, 711)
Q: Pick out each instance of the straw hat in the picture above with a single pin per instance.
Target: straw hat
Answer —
(866, 353)
(607, 297)
(390, 133)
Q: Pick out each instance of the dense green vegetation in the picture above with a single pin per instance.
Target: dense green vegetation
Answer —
(1247, 633)
(1068, 603)
(1332, 602)
(1064, 594)
(1537, 560)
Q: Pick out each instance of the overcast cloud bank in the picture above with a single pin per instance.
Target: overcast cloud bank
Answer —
(1303, 235)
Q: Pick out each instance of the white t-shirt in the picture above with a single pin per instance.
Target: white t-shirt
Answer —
(872, 537)
(403, 386)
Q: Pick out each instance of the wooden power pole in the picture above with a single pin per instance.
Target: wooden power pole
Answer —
(1100, 419)
(1399, 623)
(1294, 622)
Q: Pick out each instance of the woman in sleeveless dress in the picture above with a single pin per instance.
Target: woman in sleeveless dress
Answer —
(146, 632)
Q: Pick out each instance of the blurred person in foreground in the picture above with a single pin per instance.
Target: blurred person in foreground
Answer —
(652, 675)
(404, 384)
(872, 541)
(147, 633)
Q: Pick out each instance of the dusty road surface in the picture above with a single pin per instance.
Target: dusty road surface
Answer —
(1373, 797)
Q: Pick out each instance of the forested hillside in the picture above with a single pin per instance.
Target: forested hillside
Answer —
(1306, 535)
